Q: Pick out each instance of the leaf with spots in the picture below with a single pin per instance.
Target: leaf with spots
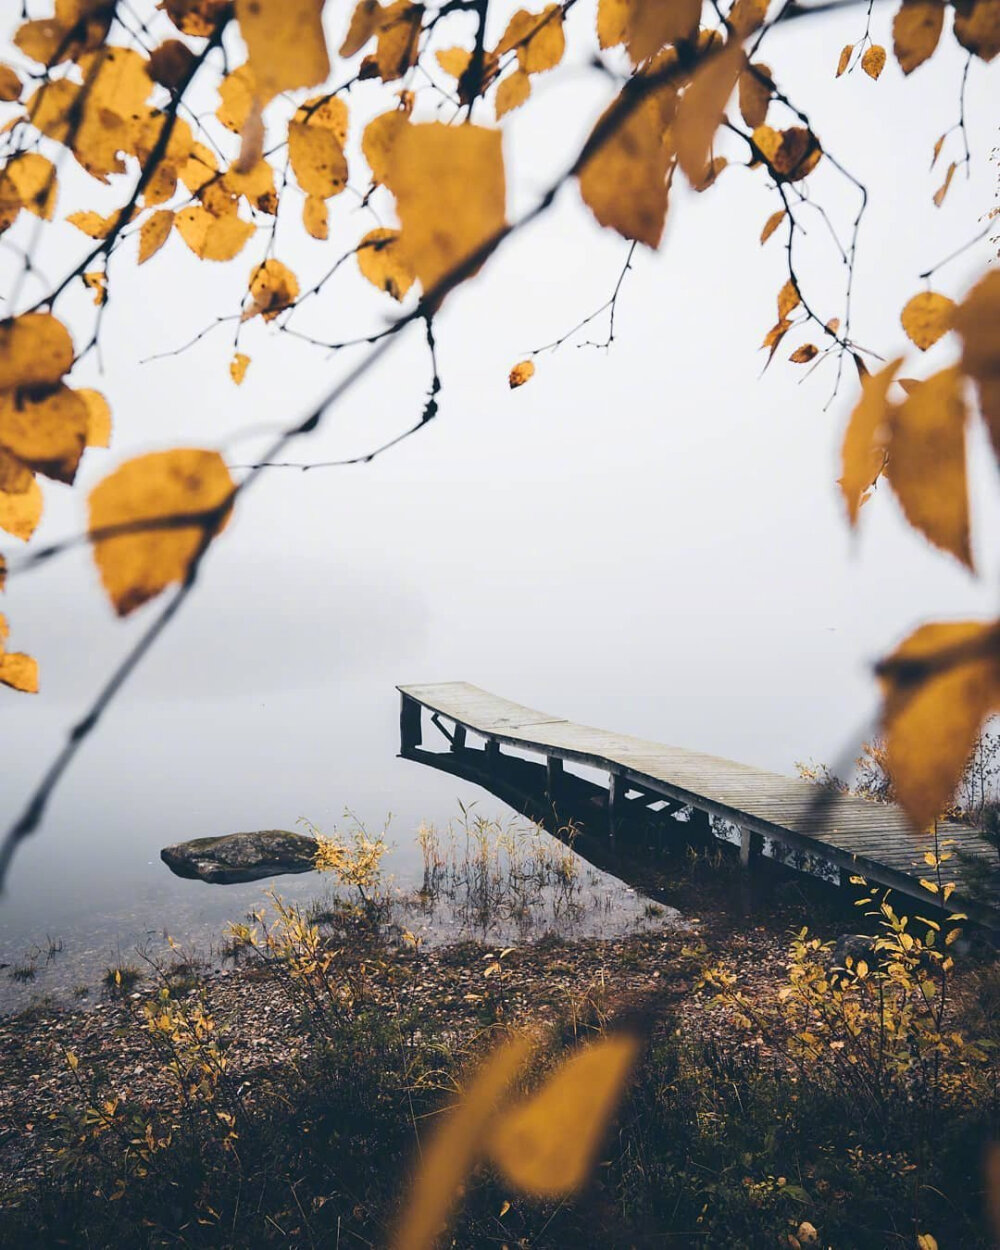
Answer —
(916, 29)
(154, 232)
(382, 263)
(866, 438)
(211, 237)
(273, 288)
(976, 320)
(521, 373)
(285, 42)
(21, 511)
(167, 487)
(873, 61)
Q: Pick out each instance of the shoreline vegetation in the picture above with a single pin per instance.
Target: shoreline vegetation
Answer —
(790, 1092)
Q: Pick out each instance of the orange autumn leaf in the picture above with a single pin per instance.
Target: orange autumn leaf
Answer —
(285, 42)
(788, 299)
(926, 464)
(755, 94)
(845, 58)
(238, 367)
(538, 38)
(398, 39)
(701, 108)
(15, 476)
(772, 223)
(521, 373)
(197, 17)
(873, 61)
(31, 178)
(446, 1160)
(450, 195)
(154, 232)
(916, 30)
(10, 84)
(977, 27)
(19, 671)
(512, 92)
(624, 181)
(21, 512)
(865, 439)
(379, 139)
(168, 486)
(938, 687)
(381, 262)
(546, 1144)
(976, 320)
(45, 428)
(926, 317)
(98, 418)
(791, 154)
(612, 22)
(273, 287)
(652, 24)
(316, 217)
(317, 158)
(802, 355)
(211, 237)
(237, 93)
(35, 350)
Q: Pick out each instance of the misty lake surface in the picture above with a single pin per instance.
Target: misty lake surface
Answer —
(90, 887)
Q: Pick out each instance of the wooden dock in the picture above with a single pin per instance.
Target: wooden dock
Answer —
(854, 835)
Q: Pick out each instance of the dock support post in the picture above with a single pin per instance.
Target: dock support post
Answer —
(553, 777)
(699, 829)
(751, 847)
(458, 738)
(409, 724)
(492, 752)
(617, 786)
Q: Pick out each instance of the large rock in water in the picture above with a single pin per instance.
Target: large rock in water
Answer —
(242, 856)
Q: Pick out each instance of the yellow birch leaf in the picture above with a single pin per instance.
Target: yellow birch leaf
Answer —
(942, 190)
(976, 320)
(845, 58)
(256, 185)
(380, 261)
(612, 22)
(774, 336)
(46, 429)
(237, 93)
(521, 373)
(365, 21)
(932, 712)
(512, 92)
(52, 107)
(772, 223)
(10, 84)
(977, 27)
(715, 167)
(926, 317)
(153, 233)
(211, 237)
(286, 46)
(116, 79)
(19, 671)
(802, 355)
(34, 179)
(398, 39)
(21, 512)
(97, 281)
(379, 139)
(170, 63)
(197, 17)
(755, 94)
(916, 29)
(873, 61)
(317, 158)
(701, 109)
(624, 181)
(315, 217)
(546, 1144)
(327, 111)
(926, 465)
(15, 476)
(746, 16)
(866, 438)
(454, 61)
(652, 24)
(199, 168)
(447, 1159)
(450, 195)
(35, 350)
(788, 299)
(238, 367)
(165, 485)
(791, 154)
(273, 287)
(98, 418)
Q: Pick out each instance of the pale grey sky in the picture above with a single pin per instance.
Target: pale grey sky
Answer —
(649, 539)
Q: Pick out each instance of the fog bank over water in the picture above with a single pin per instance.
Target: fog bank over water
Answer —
(649, 540)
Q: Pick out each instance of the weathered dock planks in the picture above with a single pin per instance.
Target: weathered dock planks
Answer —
(857, 836)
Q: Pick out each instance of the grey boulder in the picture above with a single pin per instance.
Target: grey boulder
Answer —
(242, 856)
